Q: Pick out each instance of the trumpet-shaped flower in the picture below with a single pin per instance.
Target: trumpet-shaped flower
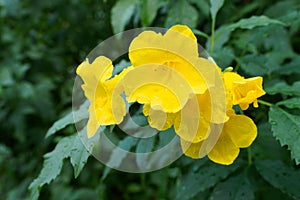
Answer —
(176, 88)
(192, 123)
(176, 49)
(106, 105)
(238, 132)
(243, 91)
(158, 86)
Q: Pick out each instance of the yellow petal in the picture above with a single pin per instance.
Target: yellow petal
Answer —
(247, 91)
(202, 148)
(106, 105)
(146, 109)
(224, 152)
(160, 120)
(241, 129)
(243, 91)
(192, 123)
(230, 78)
(100, 70)
(176, 49)
(223, 143)
(185, 30)
(92, 124)
(192, 150)
(159, 86)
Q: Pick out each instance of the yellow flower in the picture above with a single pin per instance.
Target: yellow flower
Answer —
(158, 86)
(171, 80)
(176, 88)
(158, 119)
(176, 49)
(106, 105)
(243, 91)
(192, 123)
(238, 132)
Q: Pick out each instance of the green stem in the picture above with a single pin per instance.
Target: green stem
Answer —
(200, 33)
(237, 67)
(265, 103)
(212, 42)
(249, 156)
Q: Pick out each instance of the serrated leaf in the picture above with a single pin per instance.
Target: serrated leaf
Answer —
(121, 14)
(52, 165)
(286, 128)
(284, 88)
(207, 176)
(290, 103)
(234, 188)
(280, 176)
(71, 118)
(78, 156)
(215, 6)
(182, 13)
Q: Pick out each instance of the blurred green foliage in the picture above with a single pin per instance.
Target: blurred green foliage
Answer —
(42, 43)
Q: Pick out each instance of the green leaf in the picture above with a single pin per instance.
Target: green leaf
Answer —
(203, 6)
(118, 68)
(224, 57)
(200, 33)
(216, 5)
(291, 67)
(286, 128)
(237, 187)
(71, 118)
(120, 152)
(222, 34)
(182, 13)
(79, 156)
(145, 145)
(254, 21)
(283, 88)
(11, 7)
(207, 176)
(121, 14)
(165, 137)
(280, 176)
(266, 146)
(290, 103)
(254, 65)
(6, 76)
(52, 165)
(149, 9)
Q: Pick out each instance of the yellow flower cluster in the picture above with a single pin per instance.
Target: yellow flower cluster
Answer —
(176, 88)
